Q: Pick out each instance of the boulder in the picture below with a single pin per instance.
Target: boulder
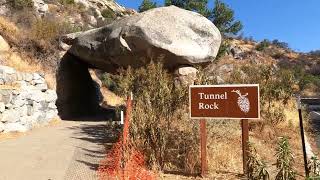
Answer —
(178, 36)
(186, 75)
(40, 6)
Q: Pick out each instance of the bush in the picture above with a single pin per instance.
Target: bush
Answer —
(275, 85)
(160, 126)
(284, 161)
(225, 45)
(108, 81)
(108, 13)
(67, 2)
(257, 169)
(22, 4)
(263, 45)
(280, 44)
(313, 167)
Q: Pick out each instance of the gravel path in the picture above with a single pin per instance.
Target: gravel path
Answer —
(69, 150)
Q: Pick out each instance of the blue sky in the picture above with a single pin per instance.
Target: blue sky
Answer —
(296, 22)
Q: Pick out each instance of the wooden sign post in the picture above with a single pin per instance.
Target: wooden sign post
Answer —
(245, 141)
(224, 102)
(203, 147)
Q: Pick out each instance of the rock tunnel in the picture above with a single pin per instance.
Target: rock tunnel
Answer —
(167, 34)
(79, 96)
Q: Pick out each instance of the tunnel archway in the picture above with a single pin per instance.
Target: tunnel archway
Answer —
(79, 96)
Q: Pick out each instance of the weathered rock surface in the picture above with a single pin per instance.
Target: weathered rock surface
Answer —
(25, 100)
(181, 37)
(186, 75)
(40, 6)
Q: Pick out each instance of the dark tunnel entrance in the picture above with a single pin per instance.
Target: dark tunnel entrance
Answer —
(79, 96)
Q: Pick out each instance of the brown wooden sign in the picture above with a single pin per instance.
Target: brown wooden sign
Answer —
(224, 101)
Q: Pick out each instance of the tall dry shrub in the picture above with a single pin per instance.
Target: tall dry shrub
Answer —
(160, 126)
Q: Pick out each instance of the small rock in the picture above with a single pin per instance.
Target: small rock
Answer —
(40, 6)
(37, 96)
(186, 71)
(23, 111)
(28, 77)
(1, 127)
(18, 102)
(5, 96)
(92, 21)
(7, 70)
(9, 78)
(51, 114)
(36, 76)
(29, 110)
(19, 76)
(14, 127)
(41, 87)
(52, 105)
(37, 107)
(51, 96)
(2, 107)
(10, 116)
(186, 75)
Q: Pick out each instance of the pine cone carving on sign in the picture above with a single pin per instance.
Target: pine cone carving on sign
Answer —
(243, 101)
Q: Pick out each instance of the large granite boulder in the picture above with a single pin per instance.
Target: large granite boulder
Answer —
(178, 36)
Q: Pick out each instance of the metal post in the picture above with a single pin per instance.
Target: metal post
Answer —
(302, 138)
(203, 147)
(245, 141)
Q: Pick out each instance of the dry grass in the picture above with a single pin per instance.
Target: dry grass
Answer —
(9, 30)
(24, 63)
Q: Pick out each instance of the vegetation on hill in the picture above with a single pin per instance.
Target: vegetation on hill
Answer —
(146, 5)
(221, 15)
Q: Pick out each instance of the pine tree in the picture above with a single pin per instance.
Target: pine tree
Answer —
(223, 17)
(146, 5)
(199, 6)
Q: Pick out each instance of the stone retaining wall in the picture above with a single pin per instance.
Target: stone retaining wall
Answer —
(25, 100)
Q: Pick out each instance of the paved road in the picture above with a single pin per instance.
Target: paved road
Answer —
(69, 150)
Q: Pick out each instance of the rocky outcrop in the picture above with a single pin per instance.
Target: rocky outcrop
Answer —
(185, 75)
(178, 36)
(25, 100)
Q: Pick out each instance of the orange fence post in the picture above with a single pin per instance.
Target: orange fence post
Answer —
(127, 119)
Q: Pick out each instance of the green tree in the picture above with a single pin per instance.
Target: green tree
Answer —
(146, 5)
(223, 17)
(199, 6)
